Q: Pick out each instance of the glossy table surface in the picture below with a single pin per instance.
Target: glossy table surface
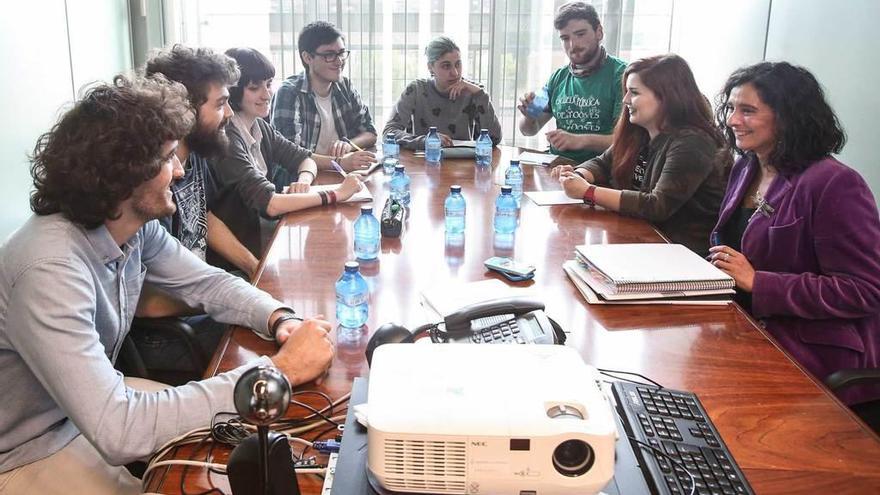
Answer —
(786, 432)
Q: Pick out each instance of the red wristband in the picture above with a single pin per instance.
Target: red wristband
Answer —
(332, 195)
(590, 196)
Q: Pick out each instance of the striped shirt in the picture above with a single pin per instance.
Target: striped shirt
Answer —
(295, 113)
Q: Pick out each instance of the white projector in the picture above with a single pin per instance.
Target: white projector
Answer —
(487, 419)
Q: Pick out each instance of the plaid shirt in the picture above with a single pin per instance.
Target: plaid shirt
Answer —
(295, 113)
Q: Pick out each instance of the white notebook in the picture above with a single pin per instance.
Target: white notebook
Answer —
(634, 268)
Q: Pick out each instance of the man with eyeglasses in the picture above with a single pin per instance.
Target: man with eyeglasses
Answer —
(318, 108)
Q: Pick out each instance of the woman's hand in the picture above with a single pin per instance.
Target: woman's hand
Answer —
(348, 188)
(357, 160)
(445, 140)
(735, 264)
(298, 187)
(575, 186)
(558, 170)
(463, 87)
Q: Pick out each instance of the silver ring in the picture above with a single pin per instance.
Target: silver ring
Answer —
(726, 256)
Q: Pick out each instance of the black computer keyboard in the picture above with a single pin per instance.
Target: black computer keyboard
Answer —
(675, 423)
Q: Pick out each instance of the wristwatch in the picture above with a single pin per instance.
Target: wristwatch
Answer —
(590, 196)
(288, 315)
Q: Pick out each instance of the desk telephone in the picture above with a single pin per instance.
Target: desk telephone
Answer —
(507, 320)
(518, 320)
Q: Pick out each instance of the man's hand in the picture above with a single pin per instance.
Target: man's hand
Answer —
(463, 87)
(565, 141)
(339, 148)
(524, 104)
(306, 350)
(357, 160)
(348, 188)
(298, 187)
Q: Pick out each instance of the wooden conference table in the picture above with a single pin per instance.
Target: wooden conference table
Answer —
(788, 434)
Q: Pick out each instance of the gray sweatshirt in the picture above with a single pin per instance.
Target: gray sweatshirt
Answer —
(67, 297)
(421, 106)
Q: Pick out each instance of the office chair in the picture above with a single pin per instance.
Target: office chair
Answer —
(868, 411)
(130, 360)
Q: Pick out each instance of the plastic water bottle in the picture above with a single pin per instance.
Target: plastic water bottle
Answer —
(505, 212)
(390, 148)
(514, 178)
(400, 185)
(352, 297)
(455, 208)
(388, 164)
(366, 235)
(483, 149)
(433, 151)
(539, 104)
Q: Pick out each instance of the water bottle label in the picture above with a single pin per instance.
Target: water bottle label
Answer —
(352, 300)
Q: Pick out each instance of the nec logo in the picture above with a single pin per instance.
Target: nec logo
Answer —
(478, 444)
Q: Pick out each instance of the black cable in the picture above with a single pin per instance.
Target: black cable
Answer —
(608, 372)
(324, 396)
(314, 411)
(656, 451)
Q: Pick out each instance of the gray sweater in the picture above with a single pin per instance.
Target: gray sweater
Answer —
(67, 297)
(421, 106)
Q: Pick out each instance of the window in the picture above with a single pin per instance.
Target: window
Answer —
(510, 47)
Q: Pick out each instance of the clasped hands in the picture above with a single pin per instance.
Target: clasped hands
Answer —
(306, 349)
(574, 184)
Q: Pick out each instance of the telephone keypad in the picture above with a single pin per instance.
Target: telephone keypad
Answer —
(499, 332)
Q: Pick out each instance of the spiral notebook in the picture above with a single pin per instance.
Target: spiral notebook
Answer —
(651, 268)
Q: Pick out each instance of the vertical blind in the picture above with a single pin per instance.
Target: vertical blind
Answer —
(510, 47)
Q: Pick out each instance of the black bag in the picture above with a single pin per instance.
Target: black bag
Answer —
(392, 218)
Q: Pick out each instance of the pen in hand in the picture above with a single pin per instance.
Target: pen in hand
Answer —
(349, 141)
(337, 167)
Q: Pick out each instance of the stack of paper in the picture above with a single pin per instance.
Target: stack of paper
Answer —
(643, 273)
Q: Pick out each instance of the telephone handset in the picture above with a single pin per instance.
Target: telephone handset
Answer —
(505, 320)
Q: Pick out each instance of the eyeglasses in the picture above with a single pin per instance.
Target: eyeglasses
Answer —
(330, 57)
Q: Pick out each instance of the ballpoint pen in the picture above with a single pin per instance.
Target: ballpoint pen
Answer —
(349, 141)
(337, 167)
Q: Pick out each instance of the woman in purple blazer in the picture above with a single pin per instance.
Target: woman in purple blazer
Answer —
(798, 230)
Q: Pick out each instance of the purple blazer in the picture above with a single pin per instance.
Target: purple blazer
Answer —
(817, 263)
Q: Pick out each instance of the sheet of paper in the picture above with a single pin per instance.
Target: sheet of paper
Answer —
(549, 198)
(361, 196)
(536, 158)
(441, 300)
(464, 142)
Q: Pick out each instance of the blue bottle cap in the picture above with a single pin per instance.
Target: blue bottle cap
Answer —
(368, 208)
(398, 168)
(506, 189)
(432, 129)
(352, 266)
(455, 188)
(512, 162)
(484, 131)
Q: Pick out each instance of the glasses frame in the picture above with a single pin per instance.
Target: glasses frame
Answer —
(330, 57)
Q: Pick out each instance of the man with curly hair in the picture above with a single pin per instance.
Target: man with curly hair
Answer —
(206, 75)
(70, 279)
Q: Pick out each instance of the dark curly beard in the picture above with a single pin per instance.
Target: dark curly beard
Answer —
(211, 144)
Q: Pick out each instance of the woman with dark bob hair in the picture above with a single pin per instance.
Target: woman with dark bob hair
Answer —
(798, 230)
(261, 162)
(667, 162)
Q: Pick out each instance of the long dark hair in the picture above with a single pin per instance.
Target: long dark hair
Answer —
(108, 144)
(681, 104)
(807, 128)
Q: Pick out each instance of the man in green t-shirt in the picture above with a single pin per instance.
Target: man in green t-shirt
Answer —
(584, 96)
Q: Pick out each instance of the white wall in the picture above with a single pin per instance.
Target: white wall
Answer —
(838, 43)
(38, 40)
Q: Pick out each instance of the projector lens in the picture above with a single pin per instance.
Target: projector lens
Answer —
(573, 458)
